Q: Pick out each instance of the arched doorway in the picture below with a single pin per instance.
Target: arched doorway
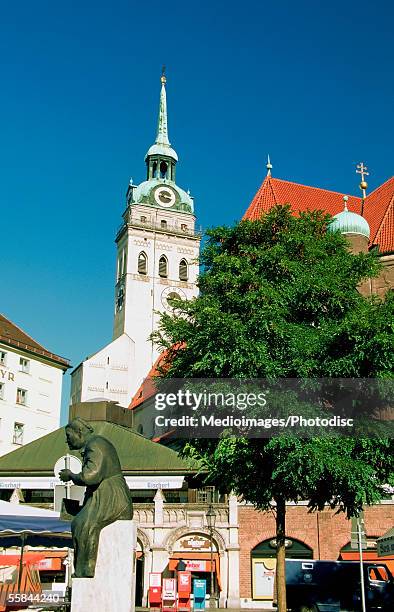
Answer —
(197, 551)
(263, 558)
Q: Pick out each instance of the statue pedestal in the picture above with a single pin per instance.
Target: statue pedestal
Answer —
(113, 586)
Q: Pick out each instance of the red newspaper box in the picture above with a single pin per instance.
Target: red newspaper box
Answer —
(184, 590)
(155, 590)
(168, 595)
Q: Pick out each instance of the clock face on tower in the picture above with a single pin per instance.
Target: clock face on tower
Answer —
(170, 293)
(165, 196)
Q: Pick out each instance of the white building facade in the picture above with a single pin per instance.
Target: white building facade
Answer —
(168, 533)
(157, 261)
(30, 388)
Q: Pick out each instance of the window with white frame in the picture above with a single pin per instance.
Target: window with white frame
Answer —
(21, 396)
(2, 387)
(24, 365)
(18, 433)
(3, 358)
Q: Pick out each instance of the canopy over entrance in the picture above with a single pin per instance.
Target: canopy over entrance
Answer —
(196, 562)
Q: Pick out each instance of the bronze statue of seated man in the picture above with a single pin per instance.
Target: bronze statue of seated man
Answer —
(107, 497)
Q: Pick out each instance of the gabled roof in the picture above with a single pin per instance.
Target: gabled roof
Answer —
(15, 337)
(138, 455)
(378, 210)
(148, 386)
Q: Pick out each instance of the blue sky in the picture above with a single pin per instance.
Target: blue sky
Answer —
(309, 83)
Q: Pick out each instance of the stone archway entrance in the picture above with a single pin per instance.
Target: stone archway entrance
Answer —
(200, 556)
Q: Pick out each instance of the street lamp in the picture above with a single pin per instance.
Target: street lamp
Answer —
(211, 520)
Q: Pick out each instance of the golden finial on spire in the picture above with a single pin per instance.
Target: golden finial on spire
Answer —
(361, 169)
(163, 75)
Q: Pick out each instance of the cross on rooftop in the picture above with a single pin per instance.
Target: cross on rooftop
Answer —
(361, 169)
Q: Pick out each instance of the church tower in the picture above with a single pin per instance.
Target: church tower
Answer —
(157, 260)
(157, 246)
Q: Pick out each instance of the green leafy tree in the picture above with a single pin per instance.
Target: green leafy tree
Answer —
(279, 298)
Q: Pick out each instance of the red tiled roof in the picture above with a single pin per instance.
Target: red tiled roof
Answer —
(148, 387)
(378, 210)
(14, 336)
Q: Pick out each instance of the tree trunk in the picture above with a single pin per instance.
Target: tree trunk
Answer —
(281, 554)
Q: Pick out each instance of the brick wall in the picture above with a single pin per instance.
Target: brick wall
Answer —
(325, 532)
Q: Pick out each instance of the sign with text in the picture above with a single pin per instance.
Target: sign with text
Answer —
(263, 408)
(196, 566)
(385, 547)
(194, 543)
(184, 582)
(169, 589)
(155, 579)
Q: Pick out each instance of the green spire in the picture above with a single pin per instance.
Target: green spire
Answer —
(162, 146)
(162, 129)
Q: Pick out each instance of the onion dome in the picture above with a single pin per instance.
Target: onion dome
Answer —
(348, 222)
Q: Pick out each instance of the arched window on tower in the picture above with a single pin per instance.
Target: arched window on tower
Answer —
(163, 169)
(142, 263)
(124, 262)
(154, 169)
(163, 267)
(119, 268)
(183, 270)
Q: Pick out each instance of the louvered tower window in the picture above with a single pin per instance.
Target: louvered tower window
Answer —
(163, 170)
(163, 266)
(142, 263)
(124, 262)
(183, 270)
